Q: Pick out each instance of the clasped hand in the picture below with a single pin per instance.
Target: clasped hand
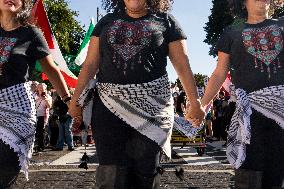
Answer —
(195, 114)
(76, 113)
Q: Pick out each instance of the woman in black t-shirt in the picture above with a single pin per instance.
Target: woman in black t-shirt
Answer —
(133, 108)
(253, 53)
(21, 45)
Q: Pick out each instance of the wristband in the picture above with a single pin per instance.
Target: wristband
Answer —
(64, 96)
(67, 99)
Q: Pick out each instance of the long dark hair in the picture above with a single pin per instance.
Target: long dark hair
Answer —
(24, 16)
(238, 8)
(154, 6)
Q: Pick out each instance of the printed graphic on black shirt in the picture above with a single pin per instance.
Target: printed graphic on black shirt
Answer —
(128, 40)
(265, 44)
(6, 46)
(135, 50)
(19, 51)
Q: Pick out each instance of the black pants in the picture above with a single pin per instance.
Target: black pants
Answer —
(266, 151)
(216, 126)
(40, 132)
(9, 166)
(54, 132)
(127, 158)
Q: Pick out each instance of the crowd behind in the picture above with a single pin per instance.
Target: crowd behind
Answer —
(218, 116)
(54, 124)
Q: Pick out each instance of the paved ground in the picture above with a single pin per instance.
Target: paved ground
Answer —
(81, 179)
(60, 169)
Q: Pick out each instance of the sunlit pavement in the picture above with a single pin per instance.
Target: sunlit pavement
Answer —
(208, 171)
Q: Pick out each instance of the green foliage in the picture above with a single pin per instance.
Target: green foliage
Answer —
(73, 67)
(220, 18)
(36, 76)
(67, 30)
(199, 78)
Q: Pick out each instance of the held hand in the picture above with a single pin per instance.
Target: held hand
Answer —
(77, 121)
(195, 115)
(76, 113)
(74, 110)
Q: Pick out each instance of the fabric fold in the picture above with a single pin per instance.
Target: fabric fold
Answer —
(147, 107)
(269, 102)
(17, 121)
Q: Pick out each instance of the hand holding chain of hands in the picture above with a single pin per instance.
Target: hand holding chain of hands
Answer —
(76, 113)
(195, 115)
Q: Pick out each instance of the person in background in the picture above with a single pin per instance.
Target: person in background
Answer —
(133, 106)
(181, 103)
(34, 88)
(253, 53)
(22, 44)
(65, 122)
(218, 125)
(43, 104)
(208, 124)
(53, 125)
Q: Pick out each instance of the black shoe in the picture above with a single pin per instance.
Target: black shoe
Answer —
(71, 149)
(57, 149)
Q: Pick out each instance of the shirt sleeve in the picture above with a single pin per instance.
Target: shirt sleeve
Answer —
(100, 25)
(224, 43)
(175, 31)
(39, 46)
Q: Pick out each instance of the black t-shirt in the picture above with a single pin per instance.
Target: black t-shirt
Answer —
(219, 107)
(256, 54)
(19, 50)
(135, 50)
(59, 107)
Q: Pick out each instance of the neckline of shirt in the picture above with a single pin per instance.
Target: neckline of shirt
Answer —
(10, 31)
(259, 23)
(129, 18)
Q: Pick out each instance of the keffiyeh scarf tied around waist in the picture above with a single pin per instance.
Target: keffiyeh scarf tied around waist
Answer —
(147, 107)
(17, 121)
(269, 102)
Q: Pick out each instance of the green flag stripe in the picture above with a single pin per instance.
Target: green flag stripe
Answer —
(87, 37)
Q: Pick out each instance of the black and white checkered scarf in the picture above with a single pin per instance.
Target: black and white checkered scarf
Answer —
(17, 121)
(147, 107)
(269, 102)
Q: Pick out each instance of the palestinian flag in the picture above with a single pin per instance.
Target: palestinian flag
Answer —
(226, 85)
(41, 20)
(82, 54)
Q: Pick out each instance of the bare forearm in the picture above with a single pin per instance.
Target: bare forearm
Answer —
(57, 80)
(217, 79)
(213, 87)
(87, 73)
(180, 61)
(188, 82)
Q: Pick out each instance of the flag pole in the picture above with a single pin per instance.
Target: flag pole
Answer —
(98, 14)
